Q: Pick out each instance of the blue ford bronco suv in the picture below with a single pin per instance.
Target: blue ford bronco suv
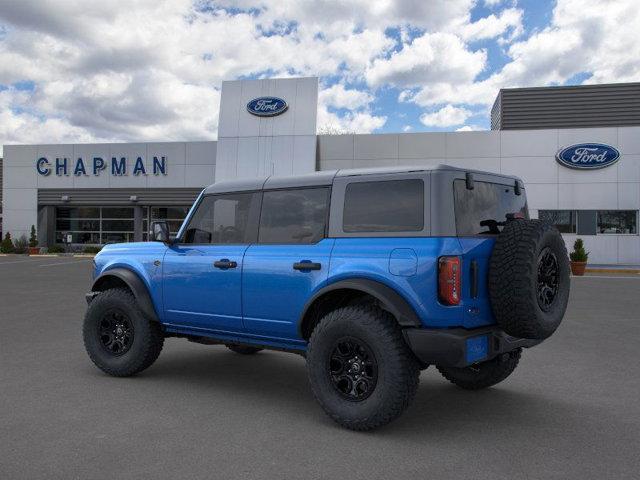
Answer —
(372, 275)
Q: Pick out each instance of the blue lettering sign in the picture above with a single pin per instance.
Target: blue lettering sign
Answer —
(98, 165)
(138, 168)
(267, 106)
(79, 170)
(61, 166)
(588, 156)
(159, 166)
(42, 165)
(118, 168)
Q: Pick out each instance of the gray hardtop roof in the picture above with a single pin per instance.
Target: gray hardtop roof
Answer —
(326, 177)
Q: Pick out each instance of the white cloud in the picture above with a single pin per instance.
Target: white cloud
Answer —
(492, 3)
(585, 36)
(509, 20)
(432, 57)
(338, 96)
(447, 116)
(152, 70)
(469, 128)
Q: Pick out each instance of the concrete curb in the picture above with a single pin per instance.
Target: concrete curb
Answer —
(625, 271)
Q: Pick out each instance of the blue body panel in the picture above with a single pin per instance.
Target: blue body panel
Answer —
(273, 293)
(199, 295)
(262, 299)
(139, 257)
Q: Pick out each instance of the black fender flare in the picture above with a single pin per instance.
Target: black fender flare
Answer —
(135, 284)
(390, 300)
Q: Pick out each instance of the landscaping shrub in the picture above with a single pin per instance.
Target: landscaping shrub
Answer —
(7, 244)
(56, 249)
(21, 244)
(33, 238)
(579, 254)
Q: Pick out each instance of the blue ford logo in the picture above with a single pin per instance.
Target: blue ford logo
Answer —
(588, 156)
(267, 106)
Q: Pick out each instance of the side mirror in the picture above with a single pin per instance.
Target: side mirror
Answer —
(160, 232)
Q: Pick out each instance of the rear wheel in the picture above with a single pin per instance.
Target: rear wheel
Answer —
(485, 374)
(243, 349)
(119, 339)
(360, 369)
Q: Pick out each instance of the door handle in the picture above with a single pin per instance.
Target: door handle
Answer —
(225, 263)
(307, 265)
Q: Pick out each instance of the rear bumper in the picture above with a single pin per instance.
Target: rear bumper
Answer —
(459, 347)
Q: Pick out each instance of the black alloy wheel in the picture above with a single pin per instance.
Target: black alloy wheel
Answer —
(547, 278)
(353, 369)
(115, 331)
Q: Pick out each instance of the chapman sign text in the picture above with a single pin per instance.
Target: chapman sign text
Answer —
(118, 166)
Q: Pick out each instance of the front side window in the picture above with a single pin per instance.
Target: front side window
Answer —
(223, 219)
(294, 216)
(618, 221)
(563, 220)
(484, 209)
(384, 206)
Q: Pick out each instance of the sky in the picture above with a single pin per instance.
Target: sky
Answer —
(76, 71)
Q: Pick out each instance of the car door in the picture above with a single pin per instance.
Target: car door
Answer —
(202, 271)
(290, 260)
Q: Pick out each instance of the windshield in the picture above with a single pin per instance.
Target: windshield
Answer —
(484, 210)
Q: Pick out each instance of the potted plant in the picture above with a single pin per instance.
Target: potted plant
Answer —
(7, 244)
(578, 258)
(33, 242)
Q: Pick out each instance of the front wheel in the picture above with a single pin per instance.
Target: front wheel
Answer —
(361, 371)
(119, 339)
(484, 374)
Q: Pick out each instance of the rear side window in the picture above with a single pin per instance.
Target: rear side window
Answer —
(384, 206)
(294, 216)
(483, 210)
(224, 219)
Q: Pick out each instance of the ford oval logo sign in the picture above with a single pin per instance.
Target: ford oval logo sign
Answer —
(267, 106)
(588, 156)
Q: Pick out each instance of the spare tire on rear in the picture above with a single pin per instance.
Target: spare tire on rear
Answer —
(529, 279)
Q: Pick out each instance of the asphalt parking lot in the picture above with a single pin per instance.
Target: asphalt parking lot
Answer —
(571, 409)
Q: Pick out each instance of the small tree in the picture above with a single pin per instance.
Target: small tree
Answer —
(579, 254)
(20, 245)
(33, 238)
(7, 244)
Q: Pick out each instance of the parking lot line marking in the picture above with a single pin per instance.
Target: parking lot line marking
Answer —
(20, 261)
(63, 263)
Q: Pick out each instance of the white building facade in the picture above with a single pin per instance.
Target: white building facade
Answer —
(101, 193)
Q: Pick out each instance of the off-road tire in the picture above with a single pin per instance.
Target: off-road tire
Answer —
(398, 370)
(243, 349)
(485, 374)
(147, 342)
(514, 279)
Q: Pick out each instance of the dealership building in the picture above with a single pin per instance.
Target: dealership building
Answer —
(576, 148)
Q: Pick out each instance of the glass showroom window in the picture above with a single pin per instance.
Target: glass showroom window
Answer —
(117, 224)
(564, 220)
(94, 225)
(82, 223)
(618, 221)
(173, 215)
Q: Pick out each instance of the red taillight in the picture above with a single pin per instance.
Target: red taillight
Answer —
(449, 280)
